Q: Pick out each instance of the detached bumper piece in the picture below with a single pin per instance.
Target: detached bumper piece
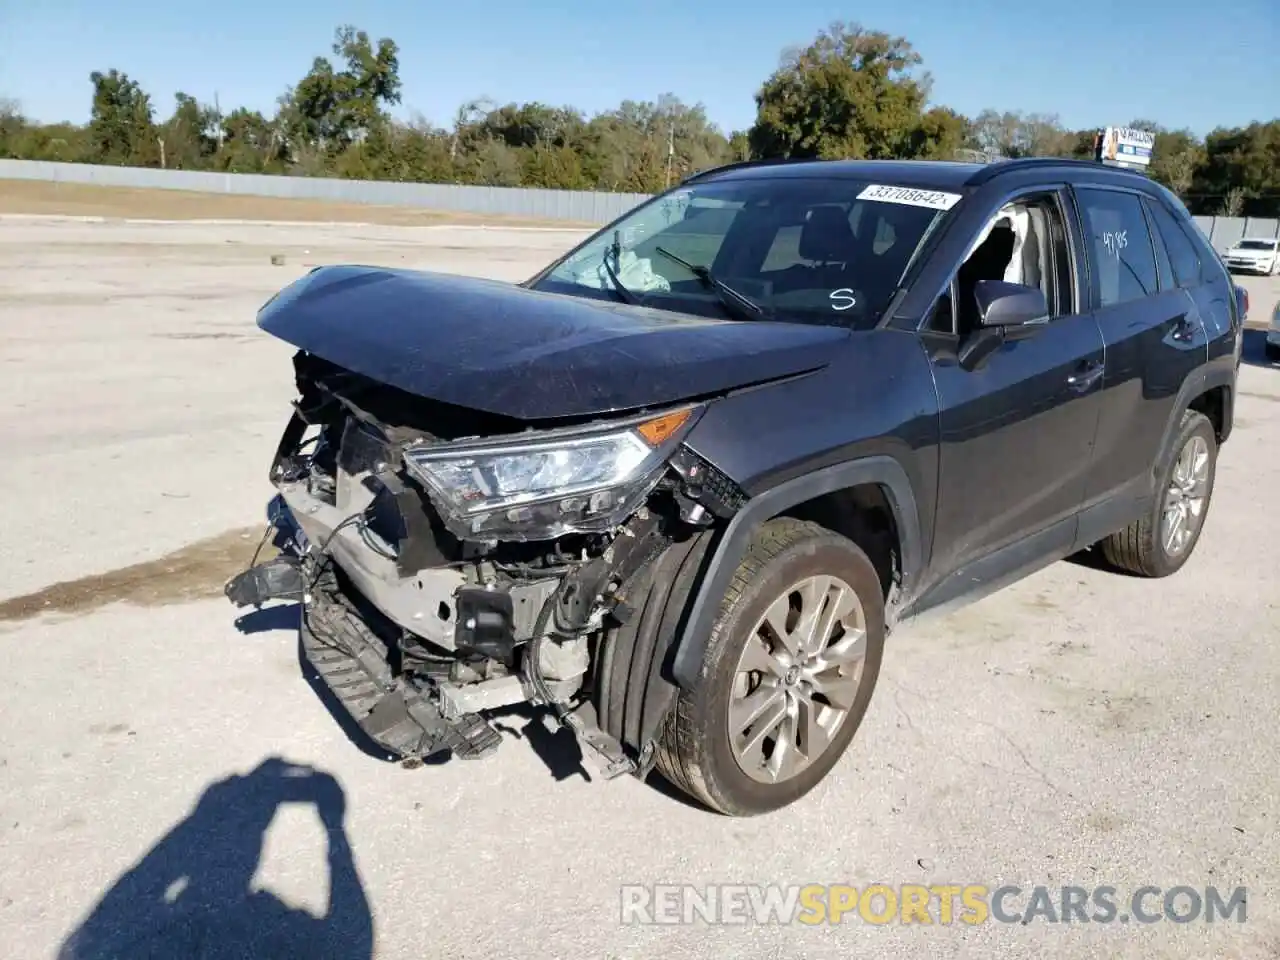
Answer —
(278, 579)
(352, 661)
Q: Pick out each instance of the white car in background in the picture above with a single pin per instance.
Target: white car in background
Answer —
(1254, 255)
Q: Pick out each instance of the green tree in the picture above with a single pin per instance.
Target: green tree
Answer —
(13, 127)
(250, 143)
(532, 125)
(554, 168)
(1244, 159)
(1175, 157)
(940, 133)
(852, 93)
(739, 146)
(122, 127)
(330, 109)
(1017, 134)
(190, 136)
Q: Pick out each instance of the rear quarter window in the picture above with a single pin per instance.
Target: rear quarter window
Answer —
(1183, 255)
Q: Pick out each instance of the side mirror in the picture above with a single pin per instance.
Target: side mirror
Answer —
(1005, 305)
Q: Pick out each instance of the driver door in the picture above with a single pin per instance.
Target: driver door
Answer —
(1018, 429)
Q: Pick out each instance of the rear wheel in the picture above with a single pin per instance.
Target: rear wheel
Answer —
(1273, 353)
(788, 673)
(1159, 543)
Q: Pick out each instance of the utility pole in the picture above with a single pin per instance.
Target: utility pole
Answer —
(217, 112)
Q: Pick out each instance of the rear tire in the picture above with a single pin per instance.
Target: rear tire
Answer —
(1273, 353)
(810, 679)
(1157, 545)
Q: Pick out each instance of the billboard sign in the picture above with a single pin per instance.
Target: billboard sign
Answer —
(1126, 147)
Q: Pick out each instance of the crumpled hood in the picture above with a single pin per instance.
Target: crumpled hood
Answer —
(504, 349)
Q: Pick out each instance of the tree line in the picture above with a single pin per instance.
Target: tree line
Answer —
(852, 92)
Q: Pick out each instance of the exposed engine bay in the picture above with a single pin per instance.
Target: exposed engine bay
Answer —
(451, 562)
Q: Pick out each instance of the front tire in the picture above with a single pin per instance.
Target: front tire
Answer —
(787, 675)
(1160, 543)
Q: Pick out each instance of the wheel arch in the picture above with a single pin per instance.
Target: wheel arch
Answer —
(1210, 392)
(1215, 402)
(873, 481)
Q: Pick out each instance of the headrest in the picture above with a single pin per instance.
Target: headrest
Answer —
(826, 236)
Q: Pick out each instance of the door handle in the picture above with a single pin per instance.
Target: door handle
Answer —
(1085, 377)
(1184, 329)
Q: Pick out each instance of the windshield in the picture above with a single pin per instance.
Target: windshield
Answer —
(1256, 245)
(828, 251)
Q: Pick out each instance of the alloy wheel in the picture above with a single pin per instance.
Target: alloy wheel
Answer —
(797, 678)
(1185, 500)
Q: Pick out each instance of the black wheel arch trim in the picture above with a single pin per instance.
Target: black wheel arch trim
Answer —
(732, 544)
(1197, 384)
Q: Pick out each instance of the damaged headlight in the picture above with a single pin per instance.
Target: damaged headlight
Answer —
(561, 482)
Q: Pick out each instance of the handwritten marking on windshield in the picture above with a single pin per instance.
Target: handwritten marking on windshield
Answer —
(842, 299)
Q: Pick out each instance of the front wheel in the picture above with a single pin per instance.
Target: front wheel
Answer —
(788, 673)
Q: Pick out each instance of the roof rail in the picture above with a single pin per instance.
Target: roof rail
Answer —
(998, 167)
(742, 164)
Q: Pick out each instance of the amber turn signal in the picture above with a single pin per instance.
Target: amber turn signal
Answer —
(659, 429)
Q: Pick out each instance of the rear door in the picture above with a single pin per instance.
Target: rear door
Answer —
(1154, 336)
(1211, 295)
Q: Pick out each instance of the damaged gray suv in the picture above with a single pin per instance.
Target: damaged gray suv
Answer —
(676, 488)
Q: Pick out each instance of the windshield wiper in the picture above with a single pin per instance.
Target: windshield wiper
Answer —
(743, 307)
(622, 293)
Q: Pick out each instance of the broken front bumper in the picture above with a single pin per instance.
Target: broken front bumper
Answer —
(350, 644)
(402, 715)
(399, 714)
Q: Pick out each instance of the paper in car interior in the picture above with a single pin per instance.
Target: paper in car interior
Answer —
(911, 196)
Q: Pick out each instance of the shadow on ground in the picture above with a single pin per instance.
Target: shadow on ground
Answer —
(191, 895)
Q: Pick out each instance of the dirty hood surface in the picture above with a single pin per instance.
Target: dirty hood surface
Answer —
(504, 349)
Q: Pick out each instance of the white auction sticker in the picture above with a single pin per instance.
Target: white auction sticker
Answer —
(911, 196)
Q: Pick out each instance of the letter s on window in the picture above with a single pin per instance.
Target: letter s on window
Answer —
(842, 299)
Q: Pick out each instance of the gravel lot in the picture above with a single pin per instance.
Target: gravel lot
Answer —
(1079, 728)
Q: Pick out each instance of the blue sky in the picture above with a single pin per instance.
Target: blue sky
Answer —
(1181, 62)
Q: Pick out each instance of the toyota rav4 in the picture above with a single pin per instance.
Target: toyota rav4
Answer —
(676, 488)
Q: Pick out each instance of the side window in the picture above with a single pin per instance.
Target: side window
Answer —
(1115, 232)
(1025, 242)
(1182, 250)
